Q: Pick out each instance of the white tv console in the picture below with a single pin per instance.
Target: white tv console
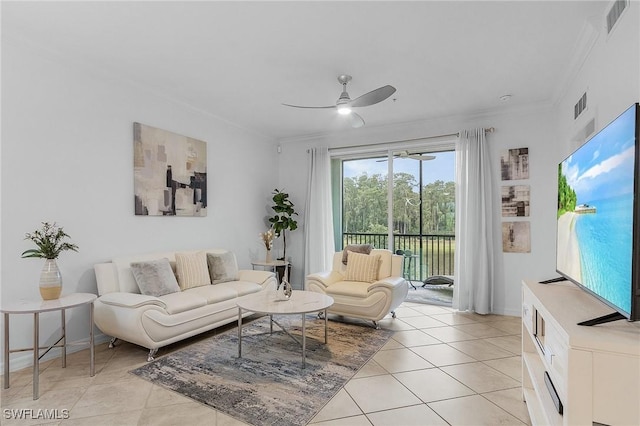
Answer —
(595, 370)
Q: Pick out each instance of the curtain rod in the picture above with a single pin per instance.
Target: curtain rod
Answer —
(487, 130)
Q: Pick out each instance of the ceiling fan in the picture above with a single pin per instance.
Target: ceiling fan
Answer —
(406, 154)
(344, 104)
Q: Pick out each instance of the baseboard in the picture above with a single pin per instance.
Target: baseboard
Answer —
(26, 360)
(508, 312)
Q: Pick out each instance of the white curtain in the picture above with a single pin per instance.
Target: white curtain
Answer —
(318, 221)
(474, 263)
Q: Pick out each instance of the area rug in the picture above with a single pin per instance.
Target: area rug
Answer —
(268, 385)
(430, 294)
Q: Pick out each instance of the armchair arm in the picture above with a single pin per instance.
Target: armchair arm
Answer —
(323, 279)
(130, 300)
(389, 282)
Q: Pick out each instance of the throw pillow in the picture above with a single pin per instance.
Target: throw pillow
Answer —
(356, 248)
(192, 270)
(222, 267)
(155, 277)
(362, 267)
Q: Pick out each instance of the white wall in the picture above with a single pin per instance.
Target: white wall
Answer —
(67, 156)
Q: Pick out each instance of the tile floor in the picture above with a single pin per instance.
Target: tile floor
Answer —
(440, 368)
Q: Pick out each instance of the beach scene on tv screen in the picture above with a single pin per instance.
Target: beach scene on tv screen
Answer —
(595, 213)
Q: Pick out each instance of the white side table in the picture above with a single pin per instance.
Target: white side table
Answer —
(36, 307)
(273, 264)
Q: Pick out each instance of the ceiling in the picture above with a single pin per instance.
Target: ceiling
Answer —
(240, 60)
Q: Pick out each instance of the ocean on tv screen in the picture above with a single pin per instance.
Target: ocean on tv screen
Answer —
(595, 212)
(605, 245)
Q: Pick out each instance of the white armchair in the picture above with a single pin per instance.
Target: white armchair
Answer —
(366, 300)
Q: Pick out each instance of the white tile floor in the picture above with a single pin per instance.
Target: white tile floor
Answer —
(439, 368)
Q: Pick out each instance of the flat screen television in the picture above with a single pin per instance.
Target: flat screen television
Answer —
(598, 221)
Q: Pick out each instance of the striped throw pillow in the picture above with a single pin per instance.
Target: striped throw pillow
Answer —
(362, 267)
(192, 270)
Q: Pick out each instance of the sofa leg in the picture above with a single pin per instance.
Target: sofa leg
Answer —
(393, 314)
(321, 315)
(376, 325)
(112, 342)
(152, 353)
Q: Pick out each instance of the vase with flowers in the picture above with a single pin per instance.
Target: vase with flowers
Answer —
(50, 240)
(267, 239)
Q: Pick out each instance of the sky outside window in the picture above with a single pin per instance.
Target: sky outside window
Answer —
(442, 168)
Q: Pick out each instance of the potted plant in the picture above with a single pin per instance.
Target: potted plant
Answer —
(50, 242)
(283, 219)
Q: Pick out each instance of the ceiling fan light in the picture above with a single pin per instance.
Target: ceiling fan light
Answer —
(344, 110)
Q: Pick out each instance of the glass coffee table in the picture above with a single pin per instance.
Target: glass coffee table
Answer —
(301, 302)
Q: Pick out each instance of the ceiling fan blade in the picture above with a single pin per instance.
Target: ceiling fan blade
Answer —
(422, 157)
(310, 107)
(355, 120)
(373, 97)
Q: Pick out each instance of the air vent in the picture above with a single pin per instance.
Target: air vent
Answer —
(580, 106)
(615, 12)
(583, 133)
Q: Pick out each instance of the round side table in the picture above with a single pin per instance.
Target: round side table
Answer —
(36, 307)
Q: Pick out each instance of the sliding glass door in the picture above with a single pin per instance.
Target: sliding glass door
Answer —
(414, 214)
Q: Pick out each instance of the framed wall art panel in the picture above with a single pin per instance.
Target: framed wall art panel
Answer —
(170, 173)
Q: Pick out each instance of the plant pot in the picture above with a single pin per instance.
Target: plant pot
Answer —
(50, 280)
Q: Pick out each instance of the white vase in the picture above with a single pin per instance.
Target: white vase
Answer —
(50, 280)
(284, 290)
(268, 257)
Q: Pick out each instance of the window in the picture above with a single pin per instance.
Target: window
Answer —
(421, 219)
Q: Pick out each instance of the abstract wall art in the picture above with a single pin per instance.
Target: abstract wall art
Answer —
(515, 200)
(170, 173)
(516, 237)
(514, 164)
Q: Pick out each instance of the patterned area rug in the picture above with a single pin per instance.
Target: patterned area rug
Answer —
(430, 294)
(268, 385)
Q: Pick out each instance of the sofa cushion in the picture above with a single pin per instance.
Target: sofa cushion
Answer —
(356, 248)
(182, 301)
(223, 267)
(192, 270)
(242, 287)
(214, 293)
(155, 277)
(362, 267)
(357, 289)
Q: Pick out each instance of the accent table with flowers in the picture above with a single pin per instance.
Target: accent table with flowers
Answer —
(36, 307)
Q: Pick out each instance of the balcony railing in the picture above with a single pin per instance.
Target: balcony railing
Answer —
(432, 254)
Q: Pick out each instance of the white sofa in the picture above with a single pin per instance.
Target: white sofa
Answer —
(366, 300)
(153, 322)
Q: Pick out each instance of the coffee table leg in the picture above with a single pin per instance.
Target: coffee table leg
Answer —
(325, 326)
(304, 341)
(239, 332)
